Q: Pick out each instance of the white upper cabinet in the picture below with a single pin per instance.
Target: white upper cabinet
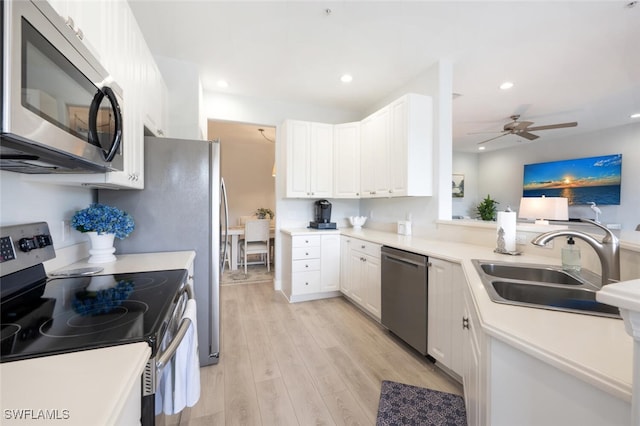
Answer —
(346, 160)
(309, 165)
(396, 149)
(374, 161)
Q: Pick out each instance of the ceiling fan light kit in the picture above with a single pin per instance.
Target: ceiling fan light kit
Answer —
(523, 129)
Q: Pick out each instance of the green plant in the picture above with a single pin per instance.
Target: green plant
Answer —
(487, 208)
(262, 213)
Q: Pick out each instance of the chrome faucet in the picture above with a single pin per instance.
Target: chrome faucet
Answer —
(608, 250)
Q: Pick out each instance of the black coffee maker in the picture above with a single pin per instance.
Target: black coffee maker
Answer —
(322, 216)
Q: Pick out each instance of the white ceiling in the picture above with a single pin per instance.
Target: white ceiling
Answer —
(569, 60)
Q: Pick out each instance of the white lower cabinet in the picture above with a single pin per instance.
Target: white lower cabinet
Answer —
(314, 270)
(474, 376)
(444, 320)
(361, 277)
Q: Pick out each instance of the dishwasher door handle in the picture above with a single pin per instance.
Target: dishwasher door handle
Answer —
(403, 260)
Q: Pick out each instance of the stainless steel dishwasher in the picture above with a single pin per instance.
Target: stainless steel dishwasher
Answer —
(404, 296)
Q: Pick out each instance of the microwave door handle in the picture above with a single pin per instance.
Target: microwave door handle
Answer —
(93, 119)
(117, 137)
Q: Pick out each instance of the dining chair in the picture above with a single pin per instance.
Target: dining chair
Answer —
(256, 241)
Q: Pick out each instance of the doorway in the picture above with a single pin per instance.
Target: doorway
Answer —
(247, 164)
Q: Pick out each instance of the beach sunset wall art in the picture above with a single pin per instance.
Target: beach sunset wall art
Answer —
(581, 180)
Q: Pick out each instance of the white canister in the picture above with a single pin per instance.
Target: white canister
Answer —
(404, 227)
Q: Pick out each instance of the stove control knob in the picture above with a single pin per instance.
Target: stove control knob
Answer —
(43, 240)
(27, 244)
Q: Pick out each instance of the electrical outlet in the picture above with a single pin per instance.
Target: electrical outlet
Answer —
(66, 230)
(521, 239)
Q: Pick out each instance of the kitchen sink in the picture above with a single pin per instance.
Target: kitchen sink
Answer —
(527, 273)
(544, 287)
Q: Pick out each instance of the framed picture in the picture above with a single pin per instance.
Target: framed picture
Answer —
(581, 180)
(457, 186)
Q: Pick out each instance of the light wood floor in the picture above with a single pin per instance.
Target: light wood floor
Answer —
(311, 363)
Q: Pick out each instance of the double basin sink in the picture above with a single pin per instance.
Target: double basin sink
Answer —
(543, 286)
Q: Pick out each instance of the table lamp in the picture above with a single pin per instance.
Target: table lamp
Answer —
(544, 208)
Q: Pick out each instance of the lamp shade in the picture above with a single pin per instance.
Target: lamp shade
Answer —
(541, 208)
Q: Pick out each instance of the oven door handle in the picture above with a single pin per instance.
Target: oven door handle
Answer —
(168, 353)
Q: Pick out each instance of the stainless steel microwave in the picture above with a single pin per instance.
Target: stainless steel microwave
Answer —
(61, 110)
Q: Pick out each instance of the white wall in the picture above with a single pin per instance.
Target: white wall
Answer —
(25, 202)
(466, 164)
(247, 171)
(500, 173)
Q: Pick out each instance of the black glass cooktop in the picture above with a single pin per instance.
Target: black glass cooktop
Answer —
(71, 314)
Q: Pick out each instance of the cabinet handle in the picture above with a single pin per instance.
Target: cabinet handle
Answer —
(465, 323)
(391, 191)
(429, 264)
(306, 266)
(306, 283)
(306, 254)
(362, 247)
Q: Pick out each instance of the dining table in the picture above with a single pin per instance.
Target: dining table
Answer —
(236, 233)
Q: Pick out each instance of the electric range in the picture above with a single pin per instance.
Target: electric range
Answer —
(43, 316)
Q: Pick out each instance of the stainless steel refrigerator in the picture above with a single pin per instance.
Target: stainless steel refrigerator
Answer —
(181, 207)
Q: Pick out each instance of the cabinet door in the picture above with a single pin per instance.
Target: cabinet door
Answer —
(345, 253)
(473, 376)
(346, 160)
(439, 311)
(380, 147)
(330, 263)
(366, 158)
(458, 282)
(298, 134)
(398, 148)
(372, 280)
(320, 166)
(356, 276)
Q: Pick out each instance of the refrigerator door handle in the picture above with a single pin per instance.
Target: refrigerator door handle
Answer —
(223, 199)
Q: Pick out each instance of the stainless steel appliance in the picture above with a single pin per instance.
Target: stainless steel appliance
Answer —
(405, 296)
(42, 316)
(179, 209)
(322, 215)
(61, 110)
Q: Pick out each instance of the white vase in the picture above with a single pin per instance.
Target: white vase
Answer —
(102, 248)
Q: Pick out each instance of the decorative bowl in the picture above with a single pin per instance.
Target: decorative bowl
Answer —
(357, 221)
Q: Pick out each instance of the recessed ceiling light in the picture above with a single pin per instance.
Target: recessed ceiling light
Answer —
(346, 78)
(481, 148)
(636, 115)
(223, 83)
(506, 85)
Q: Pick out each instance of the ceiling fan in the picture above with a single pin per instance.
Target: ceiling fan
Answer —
(521, 128)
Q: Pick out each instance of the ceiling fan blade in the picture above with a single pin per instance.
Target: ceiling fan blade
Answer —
(481, 133)
(553, 126)
(521, 125)
(527, 135)
(499, 136)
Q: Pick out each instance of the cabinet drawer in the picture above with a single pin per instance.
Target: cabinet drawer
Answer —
(306, 282)
(305, 253)
(366, 247)
(306, 241)
(305, 265)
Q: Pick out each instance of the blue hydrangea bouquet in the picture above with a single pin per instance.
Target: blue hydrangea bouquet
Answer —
(103, 219)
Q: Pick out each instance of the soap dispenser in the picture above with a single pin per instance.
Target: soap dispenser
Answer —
(571, 256)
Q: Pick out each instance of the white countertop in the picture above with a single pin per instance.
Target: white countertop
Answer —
(91, 385)
(79, 388)
(594, 349)
(142, 262)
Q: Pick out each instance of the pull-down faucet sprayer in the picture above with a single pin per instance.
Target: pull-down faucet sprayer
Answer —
(608, 250)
